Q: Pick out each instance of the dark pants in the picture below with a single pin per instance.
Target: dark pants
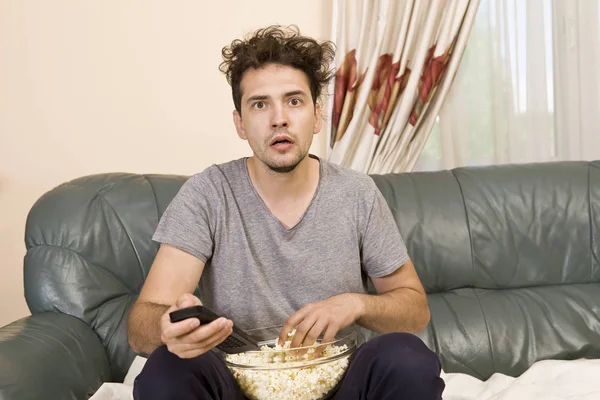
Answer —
(393, 366)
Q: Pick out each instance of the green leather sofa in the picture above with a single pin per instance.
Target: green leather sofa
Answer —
(510, 257)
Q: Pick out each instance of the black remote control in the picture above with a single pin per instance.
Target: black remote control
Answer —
(238, 342)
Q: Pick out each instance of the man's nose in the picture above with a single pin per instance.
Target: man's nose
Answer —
(280, 119)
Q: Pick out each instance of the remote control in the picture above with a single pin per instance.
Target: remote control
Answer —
(237, 342)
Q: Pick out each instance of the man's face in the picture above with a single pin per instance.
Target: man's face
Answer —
(278, 117)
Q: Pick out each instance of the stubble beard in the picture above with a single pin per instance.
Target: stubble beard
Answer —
(284, 169)
(299, 156)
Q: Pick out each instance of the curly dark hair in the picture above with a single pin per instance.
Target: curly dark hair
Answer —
(278, 45)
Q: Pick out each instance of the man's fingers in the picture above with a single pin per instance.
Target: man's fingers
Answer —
(314, 333)
(171, 330)
(198, 349)
(180, 328)
(185, 347)
(312, 336)
(304, 327)
(207, 331)
(290, 324)
(329, 335)
(189, 353)
(217, 339)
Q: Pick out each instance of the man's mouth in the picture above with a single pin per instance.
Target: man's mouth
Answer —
(281, 142)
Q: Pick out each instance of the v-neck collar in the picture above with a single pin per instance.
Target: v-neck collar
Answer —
(264, 205)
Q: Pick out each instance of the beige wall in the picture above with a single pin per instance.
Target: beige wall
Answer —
(119, 85)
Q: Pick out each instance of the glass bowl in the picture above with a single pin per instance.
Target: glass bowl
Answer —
(303, 373)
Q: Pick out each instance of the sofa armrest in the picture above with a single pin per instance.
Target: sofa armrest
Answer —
(51, 356)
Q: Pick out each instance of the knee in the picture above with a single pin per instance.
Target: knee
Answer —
(162, 372)
(404, 354)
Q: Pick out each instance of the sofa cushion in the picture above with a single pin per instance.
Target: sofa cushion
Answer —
(509, 257)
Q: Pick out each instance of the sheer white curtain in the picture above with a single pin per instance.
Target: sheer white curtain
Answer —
(527, 88)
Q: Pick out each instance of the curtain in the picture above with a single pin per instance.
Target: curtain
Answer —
(527, 88)
(395, 63)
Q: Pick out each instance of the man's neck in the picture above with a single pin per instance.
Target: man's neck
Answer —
(275, 186)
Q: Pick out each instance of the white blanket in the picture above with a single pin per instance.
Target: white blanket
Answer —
(545, 380)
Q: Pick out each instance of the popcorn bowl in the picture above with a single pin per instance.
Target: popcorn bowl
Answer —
(302, 373)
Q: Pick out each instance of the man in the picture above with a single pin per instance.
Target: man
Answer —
(281, 238)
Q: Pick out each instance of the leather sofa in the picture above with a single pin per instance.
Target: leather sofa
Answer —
(509, 255)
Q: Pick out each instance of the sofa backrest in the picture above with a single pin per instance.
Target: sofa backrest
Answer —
(89, 250)
(509, 256)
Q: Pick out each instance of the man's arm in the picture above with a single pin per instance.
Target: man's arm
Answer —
(173, 273)
(400, 305)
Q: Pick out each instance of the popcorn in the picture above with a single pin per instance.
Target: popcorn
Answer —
(289, 379)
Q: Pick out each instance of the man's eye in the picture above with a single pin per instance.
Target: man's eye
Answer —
(259, 105)
(295, 102)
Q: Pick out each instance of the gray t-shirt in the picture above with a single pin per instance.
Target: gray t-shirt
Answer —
(259, 272)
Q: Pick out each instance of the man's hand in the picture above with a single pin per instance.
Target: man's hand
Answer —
(329, 316)
(188, 338)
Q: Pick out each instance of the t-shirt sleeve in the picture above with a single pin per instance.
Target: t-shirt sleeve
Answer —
(189, 220)
(383, 250)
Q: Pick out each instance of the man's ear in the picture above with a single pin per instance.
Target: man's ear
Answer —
(237, 121)
(318, 119)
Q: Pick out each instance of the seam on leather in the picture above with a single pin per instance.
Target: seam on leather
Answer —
(157, 213)
(589, 195)
(468, 224)
(137, 256)
(104, 270)
(434, 332)
(153, 193)
(116, 326)
(487, 329)
(473, 268)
